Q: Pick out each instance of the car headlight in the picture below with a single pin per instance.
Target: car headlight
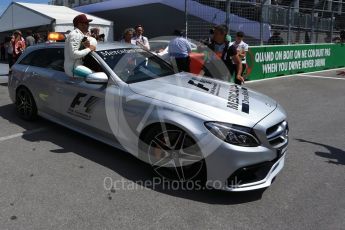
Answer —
(233, 134)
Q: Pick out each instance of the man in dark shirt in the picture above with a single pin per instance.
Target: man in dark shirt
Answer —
(219, 61)
(276, 39)
(342, 36)
(29, 40)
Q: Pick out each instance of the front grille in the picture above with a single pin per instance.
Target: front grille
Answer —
(251, 174)
(278, 135)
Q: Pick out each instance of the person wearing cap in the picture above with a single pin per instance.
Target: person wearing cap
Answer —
(139, 39)
(77, 44)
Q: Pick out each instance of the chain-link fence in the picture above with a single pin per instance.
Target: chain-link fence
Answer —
(269, 21)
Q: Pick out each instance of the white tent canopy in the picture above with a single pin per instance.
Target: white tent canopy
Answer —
(25, 15)
(211, 14)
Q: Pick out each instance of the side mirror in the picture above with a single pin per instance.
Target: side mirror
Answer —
(97, 78)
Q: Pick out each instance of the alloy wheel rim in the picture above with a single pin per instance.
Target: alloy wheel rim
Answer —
(24, 104)
(174, 152)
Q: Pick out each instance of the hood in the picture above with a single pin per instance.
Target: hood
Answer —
(218, 100)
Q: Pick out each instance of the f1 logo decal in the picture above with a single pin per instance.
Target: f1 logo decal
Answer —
(199, 85)
(77, 99)
(87, 108)
(90, 104)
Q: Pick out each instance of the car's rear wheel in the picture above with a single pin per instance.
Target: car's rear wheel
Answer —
(173, 154)
(25, 104)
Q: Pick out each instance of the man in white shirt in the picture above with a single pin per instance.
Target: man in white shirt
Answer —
(139, 39)
(77, 44)
(179, 49)
(242, 49)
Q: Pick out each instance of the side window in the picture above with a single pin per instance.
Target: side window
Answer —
(90, 62)
(52, 58)
(56, 59)
(29, 59)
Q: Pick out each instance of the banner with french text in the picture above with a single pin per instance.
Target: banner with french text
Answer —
(272, 61)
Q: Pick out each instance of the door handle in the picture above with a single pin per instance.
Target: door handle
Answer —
(59, 90)
(70, 82)
(34, 74)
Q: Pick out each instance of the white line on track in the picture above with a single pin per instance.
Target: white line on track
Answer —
(292, 75)
(3, 78)
(321, 77)
(28, 132)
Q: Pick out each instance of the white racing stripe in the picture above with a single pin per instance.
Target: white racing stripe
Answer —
(267, 79)
(28, 132)
(3, 79)
(321, 77)
(292, 75)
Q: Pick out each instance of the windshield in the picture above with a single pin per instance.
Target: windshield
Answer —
(135, 64)
(156, 46)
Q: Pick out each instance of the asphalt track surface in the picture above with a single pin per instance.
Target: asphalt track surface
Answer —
(53, 178)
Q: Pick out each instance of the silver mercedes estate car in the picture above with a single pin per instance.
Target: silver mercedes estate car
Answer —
(185, 126)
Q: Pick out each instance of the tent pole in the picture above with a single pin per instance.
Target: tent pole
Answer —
(52, 25)
(12, 14)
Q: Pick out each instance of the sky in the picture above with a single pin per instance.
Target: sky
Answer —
(4, 3)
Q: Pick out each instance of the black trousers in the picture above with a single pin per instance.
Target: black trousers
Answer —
(3, 55)
(183, 64)
(10, 60)
(233, 70)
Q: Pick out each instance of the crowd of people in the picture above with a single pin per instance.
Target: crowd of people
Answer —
(222, 51)
(13, 46)
(224, 59)
(231, 54)
(135, 36)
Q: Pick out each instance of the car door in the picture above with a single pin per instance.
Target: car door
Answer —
(82, 104)
(44, 67)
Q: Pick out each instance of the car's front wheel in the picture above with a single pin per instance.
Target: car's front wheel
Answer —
(25, 104)
(173, 154)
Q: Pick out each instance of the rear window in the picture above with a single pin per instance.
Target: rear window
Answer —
(52, 58)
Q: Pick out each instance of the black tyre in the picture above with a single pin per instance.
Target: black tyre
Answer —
(25, 104)
(173, 154)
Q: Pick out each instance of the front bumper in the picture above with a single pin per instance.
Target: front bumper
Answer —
(245, 174)
(237, 186)
(234, 168)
